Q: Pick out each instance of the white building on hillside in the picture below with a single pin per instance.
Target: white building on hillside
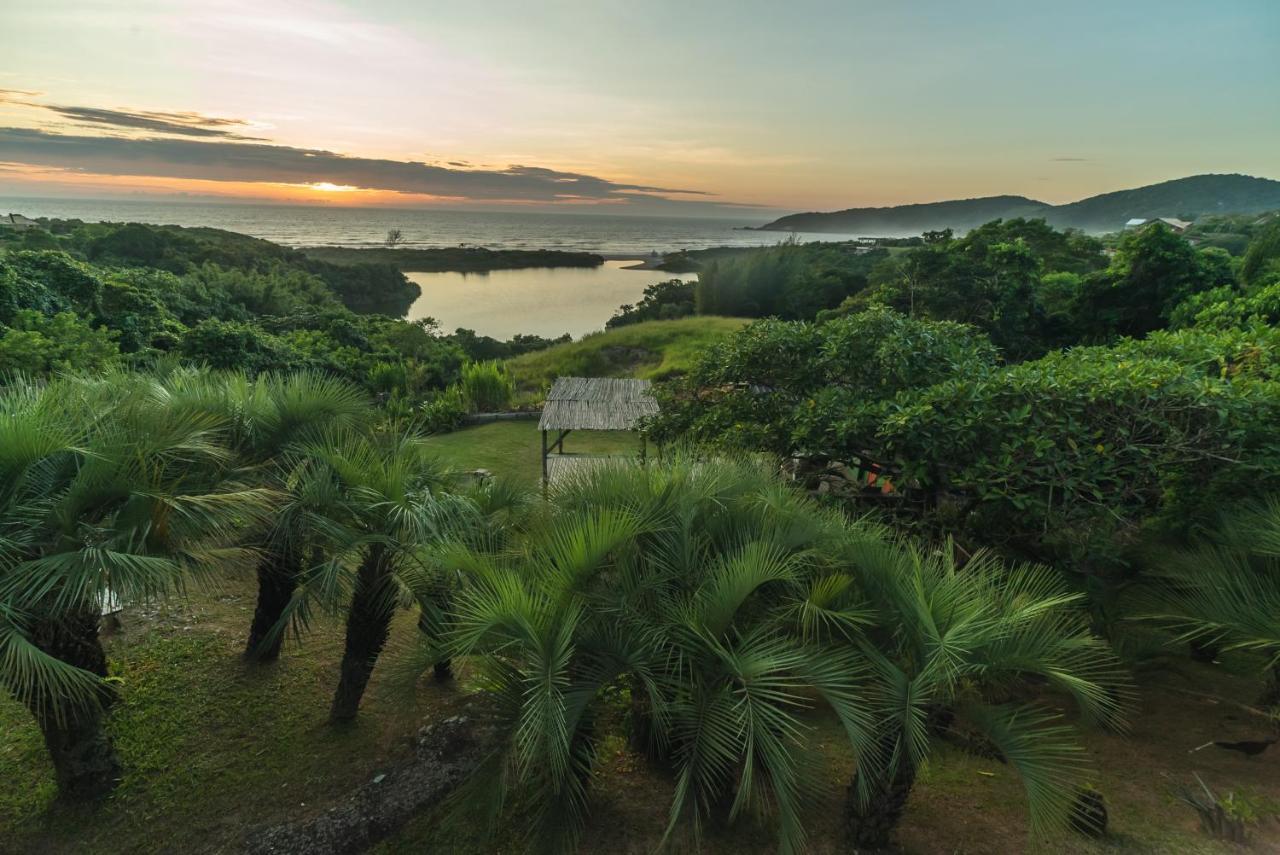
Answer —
(17, 221)
(1178, 226)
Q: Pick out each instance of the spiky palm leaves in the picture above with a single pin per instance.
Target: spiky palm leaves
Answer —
(266, 416)
(111, 488)
(377, 501)
(1226, 595)
(682, 582)
(730, 607)
(951, 648)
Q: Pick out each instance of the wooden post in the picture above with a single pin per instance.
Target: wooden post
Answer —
(544, 461)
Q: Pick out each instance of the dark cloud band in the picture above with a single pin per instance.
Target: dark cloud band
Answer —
(185, 124)
(217, 160)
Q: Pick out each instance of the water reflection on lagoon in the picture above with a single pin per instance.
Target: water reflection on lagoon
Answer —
(540, 301)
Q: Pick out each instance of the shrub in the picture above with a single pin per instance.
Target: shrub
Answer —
(40, 344)
(486, 386)
(1071, 455)
(444, 412)
(1227, 308)
(663, 301)
(779, 385)
(793, 281)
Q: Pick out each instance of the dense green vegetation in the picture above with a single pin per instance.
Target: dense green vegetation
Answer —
(360, 287)
(789, 281)
(945, 383)
(1224, 595)
(933, 503)
(662, 301)
(57, 313)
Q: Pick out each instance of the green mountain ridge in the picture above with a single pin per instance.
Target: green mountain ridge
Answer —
(1189, 197)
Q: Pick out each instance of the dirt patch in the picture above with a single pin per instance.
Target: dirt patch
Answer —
(628, 359)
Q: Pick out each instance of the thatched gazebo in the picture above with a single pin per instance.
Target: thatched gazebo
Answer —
(589, 403)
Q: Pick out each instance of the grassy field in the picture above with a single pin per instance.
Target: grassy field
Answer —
(514, 449)
(211, 747)
(651, 350)
(214, 749)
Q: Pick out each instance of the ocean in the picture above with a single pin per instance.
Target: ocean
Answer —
(310, 225)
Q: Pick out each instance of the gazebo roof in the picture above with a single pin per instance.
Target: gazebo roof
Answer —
(597, 403)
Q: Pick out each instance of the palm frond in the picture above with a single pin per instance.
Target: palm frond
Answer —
(1046, 754)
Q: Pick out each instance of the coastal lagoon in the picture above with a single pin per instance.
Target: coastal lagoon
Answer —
(541, 301)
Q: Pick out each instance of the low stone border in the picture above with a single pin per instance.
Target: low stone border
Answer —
(445, 753)
(515, 415)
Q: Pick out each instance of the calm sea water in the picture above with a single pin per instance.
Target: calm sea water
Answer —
(330, 226)
(546, 302)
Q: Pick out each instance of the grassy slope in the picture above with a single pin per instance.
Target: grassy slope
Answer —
(650, 350)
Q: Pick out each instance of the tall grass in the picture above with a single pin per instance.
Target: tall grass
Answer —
(486, 386)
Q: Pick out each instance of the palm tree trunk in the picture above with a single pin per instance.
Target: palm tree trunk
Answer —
(871, 826)
(443, 668)
(368, 627)
(1271, 694)
(277, 577)
(84, 758)
(642, 731)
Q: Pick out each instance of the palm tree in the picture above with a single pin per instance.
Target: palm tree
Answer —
(683, 582)
(486, 519)
(385, 501)
(1225, 595)
(106, 492)
(265, 416)
(729, 606)
(952, 649)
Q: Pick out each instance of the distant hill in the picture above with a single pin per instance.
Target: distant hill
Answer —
(1186, 198)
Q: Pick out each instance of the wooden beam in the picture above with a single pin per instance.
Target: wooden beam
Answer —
(559, 443)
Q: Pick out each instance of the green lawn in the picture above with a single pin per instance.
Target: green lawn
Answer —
(211, 747)
(650, 351)
(514, 449)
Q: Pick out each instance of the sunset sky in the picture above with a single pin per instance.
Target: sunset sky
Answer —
(632, 105)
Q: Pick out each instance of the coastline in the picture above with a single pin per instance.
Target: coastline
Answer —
(647, 261)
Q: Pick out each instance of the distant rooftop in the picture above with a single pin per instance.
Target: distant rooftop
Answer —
(1172, 222)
